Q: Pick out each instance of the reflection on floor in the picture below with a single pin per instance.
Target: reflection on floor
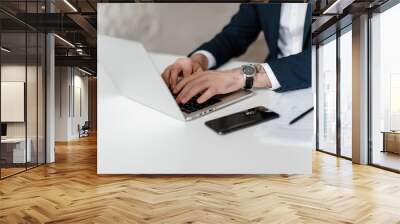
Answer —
(11, 169)
(70, 191)
(346, 152)
(386, 159)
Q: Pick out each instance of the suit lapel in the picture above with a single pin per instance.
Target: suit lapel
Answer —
(307, 26)
(271, 17)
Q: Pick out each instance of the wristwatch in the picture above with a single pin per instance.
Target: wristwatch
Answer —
(248, 71)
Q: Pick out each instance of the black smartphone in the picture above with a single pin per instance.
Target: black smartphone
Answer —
(240, 120)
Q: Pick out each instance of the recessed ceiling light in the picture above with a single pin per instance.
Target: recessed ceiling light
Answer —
(337, 7)
(5, 50)
(64, 40)
(84, 71)
(70, 5)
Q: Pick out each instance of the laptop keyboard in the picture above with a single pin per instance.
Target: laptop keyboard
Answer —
(192, 106)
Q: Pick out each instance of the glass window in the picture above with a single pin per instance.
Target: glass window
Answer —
(327, 96)
(22, 93)
(14, 151)
(385, 89)
(346, 93)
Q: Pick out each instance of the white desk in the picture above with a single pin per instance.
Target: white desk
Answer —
(134, 139)
(18, 150)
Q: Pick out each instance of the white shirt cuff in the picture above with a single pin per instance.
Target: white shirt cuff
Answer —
(210, 58)
(272, 78)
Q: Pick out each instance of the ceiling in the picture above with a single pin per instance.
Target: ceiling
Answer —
(73, 21)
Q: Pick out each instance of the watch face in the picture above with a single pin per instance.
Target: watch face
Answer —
(248, 70)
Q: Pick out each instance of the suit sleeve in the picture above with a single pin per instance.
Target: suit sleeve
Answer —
(235, 38)
(293, 72)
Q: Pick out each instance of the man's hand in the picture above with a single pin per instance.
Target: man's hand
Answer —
(185, 67)
(209, 83)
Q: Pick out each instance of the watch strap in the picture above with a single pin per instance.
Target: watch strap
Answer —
(249, 82)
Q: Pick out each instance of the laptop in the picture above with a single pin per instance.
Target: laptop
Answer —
(134, 74)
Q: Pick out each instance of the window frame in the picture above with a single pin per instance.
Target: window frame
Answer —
(27, 29)
(333, 37)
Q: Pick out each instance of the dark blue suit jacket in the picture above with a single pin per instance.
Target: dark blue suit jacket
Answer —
(293, 72)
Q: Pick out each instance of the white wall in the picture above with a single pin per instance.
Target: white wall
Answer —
(13, 101)
(67, 114)
(62, 81)
(12, 73)
(79, 117)
(171, 28)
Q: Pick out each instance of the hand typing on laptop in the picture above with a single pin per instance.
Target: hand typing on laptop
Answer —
(185, 67)
(208, 84)
(197, 80)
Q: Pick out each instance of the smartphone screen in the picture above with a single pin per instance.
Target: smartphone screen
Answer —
(240, 120)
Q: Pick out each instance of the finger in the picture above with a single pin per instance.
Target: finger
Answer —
(192, 90)
(186, 65)
(183, 94)
(187, 68)
(206, 95)
(184, 81)
(166, 75)
(184, 90)
(175, 71)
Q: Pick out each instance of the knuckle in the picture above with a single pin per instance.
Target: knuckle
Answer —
(194, 64)
(191, 90)
(175, 66)
(183, 60)
(184, 91)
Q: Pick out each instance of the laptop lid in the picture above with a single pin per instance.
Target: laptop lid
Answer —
(134, 74)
